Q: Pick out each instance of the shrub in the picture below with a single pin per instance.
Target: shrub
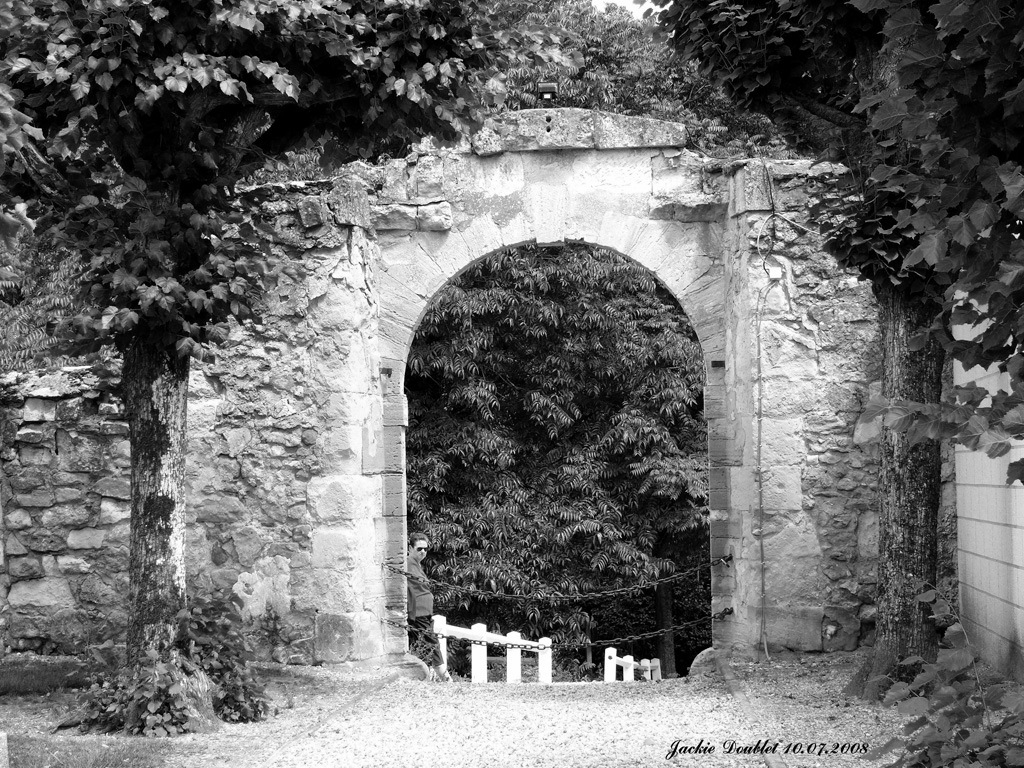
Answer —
(166, 694)
(957, 719)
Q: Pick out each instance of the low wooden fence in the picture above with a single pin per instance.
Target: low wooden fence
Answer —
(513, 643)
(650, 669)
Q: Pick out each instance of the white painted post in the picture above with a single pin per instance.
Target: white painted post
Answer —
(609, 665)
(440, 625)
(656, 669)
(544, 661)
(514, 659)
(478, 656)
(645, 669)
(627, 669)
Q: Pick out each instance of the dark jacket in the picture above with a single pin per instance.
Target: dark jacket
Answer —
(421, 599)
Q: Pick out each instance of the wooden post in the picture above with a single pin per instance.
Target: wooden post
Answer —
(514, 660)
(544, 661)
(627, 669)
(645, 669)
(609, 665)
(656, 669)
(478, 656)
(440, 625)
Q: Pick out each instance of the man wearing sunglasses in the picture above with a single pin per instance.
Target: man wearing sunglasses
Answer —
(421, 608)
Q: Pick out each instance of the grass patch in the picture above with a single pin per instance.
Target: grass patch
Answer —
(29, 752)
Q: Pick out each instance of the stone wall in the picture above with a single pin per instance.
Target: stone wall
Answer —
(283, 477)
(64, 494)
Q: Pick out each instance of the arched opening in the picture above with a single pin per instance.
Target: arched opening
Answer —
(557, 453)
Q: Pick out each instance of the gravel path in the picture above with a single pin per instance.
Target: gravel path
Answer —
(400, 722)
(331, 717)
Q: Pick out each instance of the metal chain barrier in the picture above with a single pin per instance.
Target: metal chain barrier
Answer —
(613, 642)
(558, 597)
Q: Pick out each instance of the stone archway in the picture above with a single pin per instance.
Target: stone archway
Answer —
(296, 476)
(627, 184)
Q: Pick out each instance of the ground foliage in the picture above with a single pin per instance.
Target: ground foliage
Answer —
(956, 717)
(556, 433)
(167, 694)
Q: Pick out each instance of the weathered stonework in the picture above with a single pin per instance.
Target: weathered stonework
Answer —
(296, 476)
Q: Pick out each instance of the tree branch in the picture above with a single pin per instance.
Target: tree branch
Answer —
(825, 112)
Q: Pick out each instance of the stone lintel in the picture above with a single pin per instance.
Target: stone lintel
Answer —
(532, 130)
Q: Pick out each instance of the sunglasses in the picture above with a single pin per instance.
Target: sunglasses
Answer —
(421, 549)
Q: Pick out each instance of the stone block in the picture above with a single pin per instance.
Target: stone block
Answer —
(50, 592)
(38, 409)
(13, 546)
(17, 519)
(394, 495)
(783, 488)
(98, 592)
(41, 498)
(86, 538)
(795, 628)
(220, 510)
(841, 629)
(71, 409)
(224, 578)
(428, 178)
(64, 495)
(38, 540)
(24, 568)
(267, 586)
(237, 440)
(34, 457)
(391, 216)
(248, 545)
(67, 516)
(347, 637)
(782, 441)
(72, 565)
(334, 548)
(34, 434)
(341, 498)
(113, 511)
(79, 453)
(434, 217)
(350, 204)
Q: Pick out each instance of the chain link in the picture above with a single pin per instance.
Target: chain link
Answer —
(608, 643)
(557, 597)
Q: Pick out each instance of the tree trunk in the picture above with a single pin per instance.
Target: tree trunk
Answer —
(155, 391)
(663, 613)
(909, 487)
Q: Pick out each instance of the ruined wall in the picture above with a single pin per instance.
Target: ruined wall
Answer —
(64, 495)
(284, 472)
(296, 474)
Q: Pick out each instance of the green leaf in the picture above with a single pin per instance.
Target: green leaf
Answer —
(917, 705)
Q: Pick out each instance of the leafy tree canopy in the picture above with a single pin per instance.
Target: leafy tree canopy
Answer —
(556, 432)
